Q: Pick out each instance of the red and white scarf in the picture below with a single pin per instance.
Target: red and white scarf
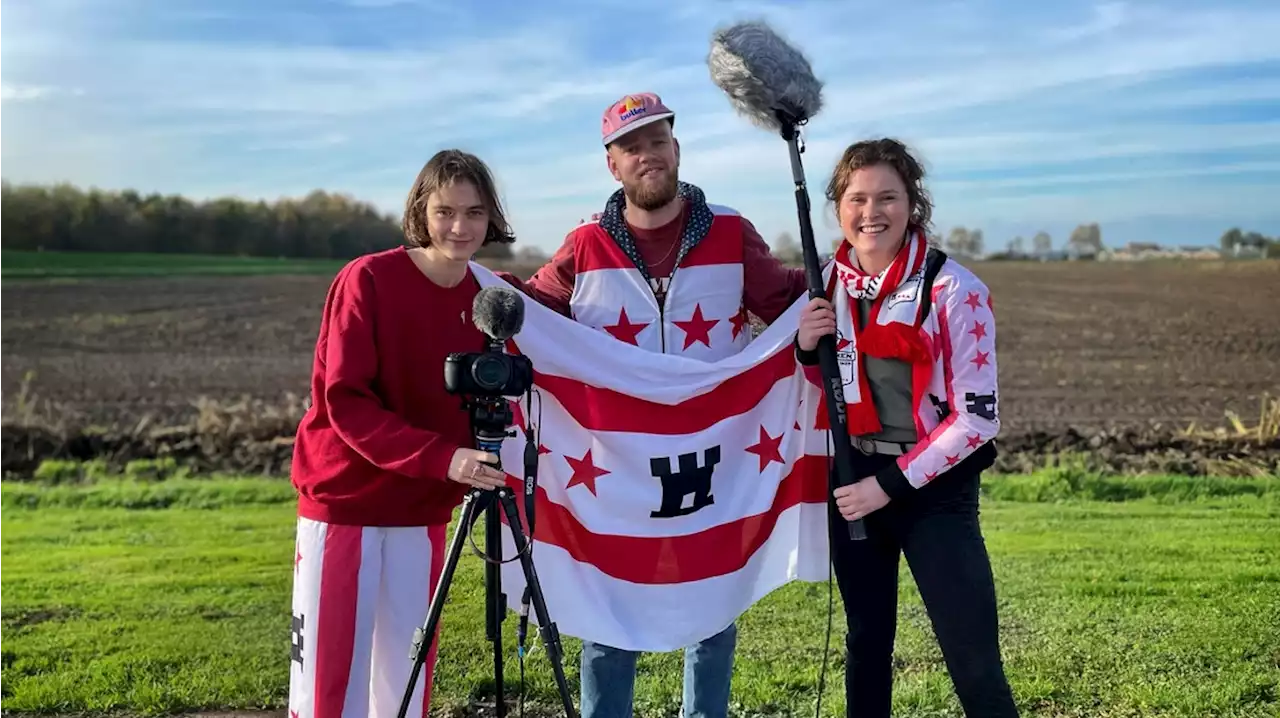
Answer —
(893, 324)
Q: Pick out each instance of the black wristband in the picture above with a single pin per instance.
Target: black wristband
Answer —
(894, 482)
(806, 358)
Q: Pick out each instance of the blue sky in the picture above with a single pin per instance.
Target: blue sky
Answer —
(1160, 121)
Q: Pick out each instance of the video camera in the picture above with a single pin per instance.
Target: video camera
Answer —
(491, 373)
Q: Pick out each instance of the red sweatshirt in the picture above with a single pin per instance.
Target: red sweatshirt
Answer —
(769, 286)
(375, 446)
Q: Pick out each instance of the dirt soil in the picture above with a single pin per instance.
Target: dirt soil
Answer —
(1090, 356)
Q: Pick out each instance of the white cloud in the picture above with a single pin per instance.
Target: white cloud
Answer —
(976, 87)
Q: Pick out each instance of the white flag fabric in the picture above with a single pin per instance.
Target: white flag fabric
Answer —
(672, 493)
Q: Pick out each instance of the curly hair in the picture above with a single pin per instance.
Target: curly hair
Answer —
(895, 154)
(442, 170)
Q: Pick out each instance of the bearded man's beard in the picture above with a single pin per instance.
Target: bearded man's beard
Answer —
(649, 196)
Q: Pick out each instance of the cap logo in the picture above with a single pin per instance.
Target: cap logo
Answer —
(630, 107)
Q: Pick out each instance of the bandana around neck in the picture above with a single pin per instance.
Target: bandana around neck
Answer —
(892, 329)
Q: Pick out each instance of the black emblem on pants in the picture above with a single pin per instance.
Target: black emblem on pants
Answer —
(295, 650)
(691, 480)
(983, 405)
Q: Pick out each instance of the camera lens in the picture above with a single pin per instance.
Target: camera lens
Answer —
(490, 371)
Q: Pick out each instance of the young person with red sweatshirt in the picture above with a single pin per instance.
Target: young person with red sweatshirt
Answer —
(382, 458)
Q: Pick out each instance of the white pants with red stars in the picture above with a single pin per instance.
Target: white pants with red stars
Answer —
(359, 593)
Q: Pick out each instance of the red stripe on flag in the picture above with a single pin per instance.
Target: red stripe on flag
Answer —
(677, 559)
(336, 632)
(598, 409)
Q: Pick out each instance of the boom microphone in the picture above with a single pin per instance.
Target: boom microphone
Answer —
(770, 82)
(763, 75)
(498, 312)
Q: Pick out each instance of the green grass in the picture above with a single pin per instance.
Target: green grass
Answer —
(147, 598)
(69, 265)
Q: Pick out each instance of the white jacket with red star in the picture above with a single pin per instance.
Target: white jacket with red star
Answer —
(702, 317)
(955, 395)
(723, 271)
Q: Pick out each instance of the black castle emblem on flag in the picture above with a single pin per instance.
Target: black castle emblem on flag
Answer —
(690, 481)
(941, 406)
(295, 650)
(983, 405)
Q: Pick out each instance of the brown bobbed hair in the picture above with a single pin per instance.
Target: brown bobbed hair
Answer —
(442, 170)
(895, 154)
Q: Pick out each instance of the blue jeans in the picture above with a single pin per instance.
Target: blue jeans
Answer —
(609, 677)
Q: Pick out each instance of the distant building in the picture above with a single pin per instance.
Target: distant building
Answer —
(1139, 251)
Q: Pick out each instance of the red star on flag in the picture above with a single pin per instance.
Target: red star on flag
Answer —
(585, 472)
(979, 330)
(953, 460)
(624, 330)
(767, 448)
(974, 301)
(697, 329)
(930, 477)
(739, 321)
(975, 441)
(980, 360)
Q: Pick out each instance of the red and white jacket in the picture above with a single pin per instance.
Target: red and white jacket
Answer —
(957, 413)
(703, 316)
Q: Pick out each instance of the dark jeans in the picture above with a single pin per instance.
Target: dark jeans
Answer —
(936, 528)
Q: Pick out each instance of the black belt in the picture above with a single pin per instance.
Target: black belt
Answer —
(876, 446)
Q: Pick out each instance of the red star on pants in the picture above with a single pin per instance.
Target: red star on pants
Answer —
(953, 460)
(297, 559)
(974, 301)
(585, 472)
(767, 449)
(980, 360)
(979, 330)
(930, 477)
(543, 450)
(739, 321)
(975, 441)
(697, 329)
(624, 330)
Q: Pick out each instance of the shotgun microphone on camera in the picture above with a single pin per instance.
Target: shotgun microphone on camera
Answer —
(498, 312)
(763, 75)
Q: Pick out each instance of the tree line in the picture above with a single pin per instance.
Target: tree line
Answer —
(321, 225)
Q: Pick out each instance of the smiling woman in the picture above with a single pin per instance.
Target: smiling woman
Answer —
(381, 458)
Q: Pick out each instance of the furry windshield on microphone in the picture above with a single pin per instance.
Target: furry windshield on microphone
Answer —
(762, 74)
(498, 312)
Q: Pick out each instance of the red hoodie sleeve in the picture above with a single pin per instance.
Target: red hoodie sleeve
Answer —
(552, 285)
(356, 413)
(769, 286)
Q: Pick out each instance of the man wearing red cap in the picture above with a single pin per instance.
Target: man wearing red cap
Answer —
(664, 270)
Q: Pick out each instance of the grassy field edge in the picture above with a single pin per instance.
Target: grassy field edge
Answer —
(129, 597)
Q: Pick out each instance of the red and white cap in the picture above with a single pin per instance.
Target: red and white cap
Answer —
(631, 112)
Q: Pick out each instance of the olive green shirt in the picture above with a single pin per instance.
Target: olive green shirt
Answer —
(890, 381)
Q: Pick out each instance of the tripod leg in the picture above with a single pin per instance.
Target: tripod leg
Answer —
(495, 601)
(425, 636)
(550, 634)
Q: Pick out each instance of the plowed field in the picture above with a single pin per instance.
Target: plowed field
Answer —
(1150, 346)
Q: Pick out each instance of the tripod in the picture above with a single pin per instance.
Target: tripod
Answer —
(489, 421)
